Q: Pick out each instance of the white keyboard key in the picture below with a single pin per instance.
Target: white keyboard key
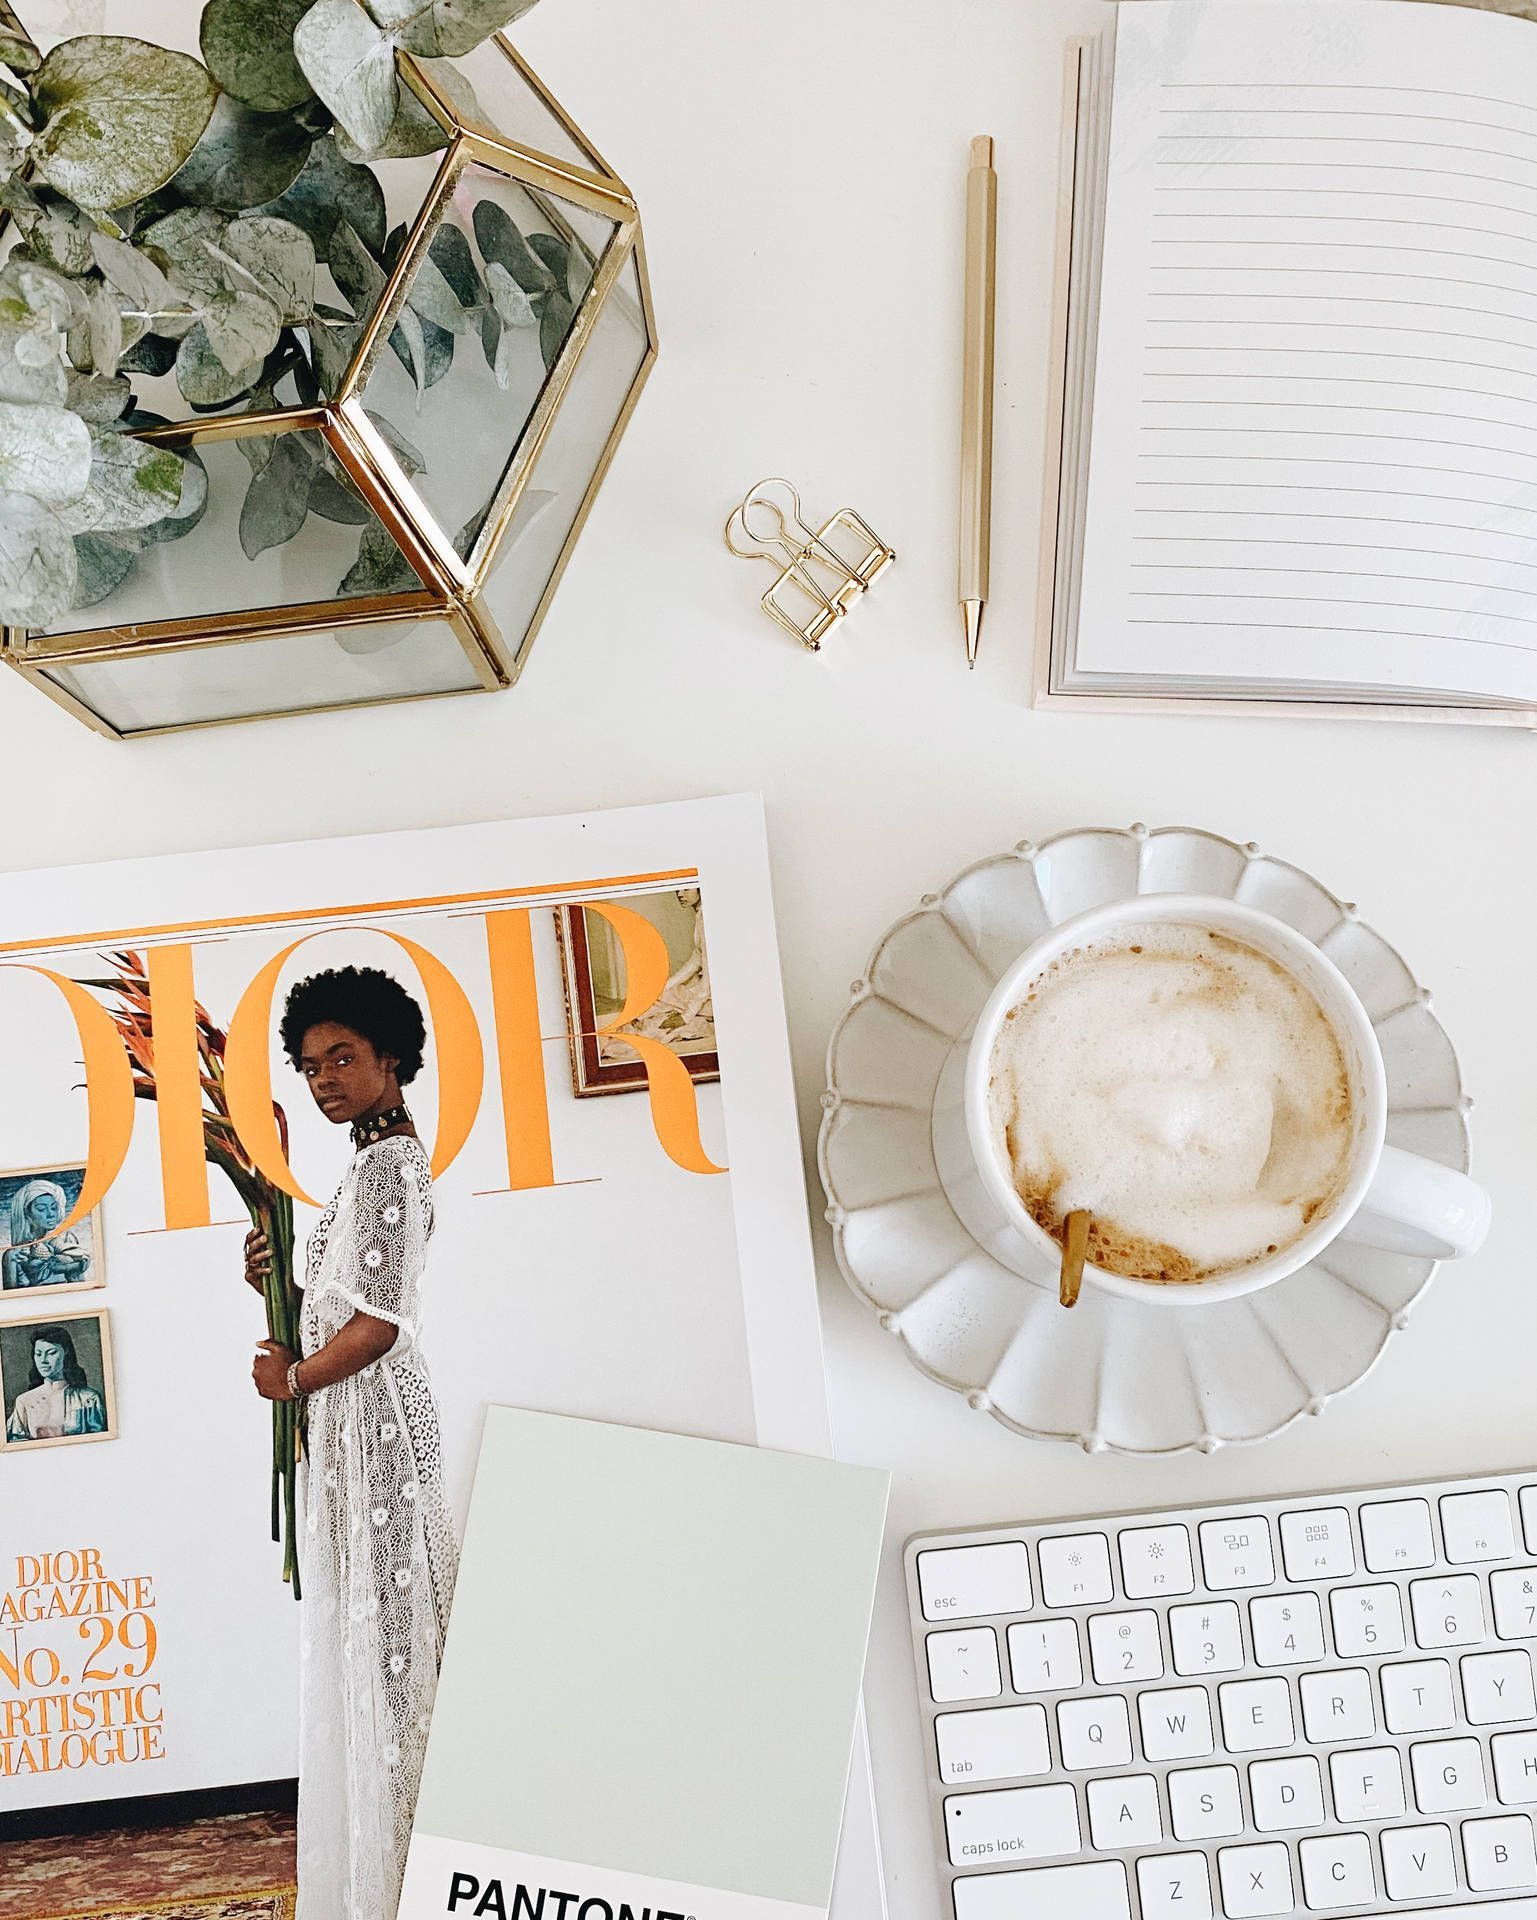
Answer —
(1417, 1863)
(1515, 1603)
(1286, 1794)
(1155, 1561)
(1124, 1813)
(1236, 1553)
(1176, 1723)
(1448, 1775)
(1019, 1823)
(1448, 1612)
(1477, 1526)
(1337, 1871)
(1255, 1714)
(958, 1583)
(1500, 1854)
(1337, 1705)
(1255, 1880)
(992, 1743)
(1206, 1639)
(1174, 1886)
(1529, 1517)
(963, 1665)
(1367, 1620)
(1044, 1655)
(1417, 1696)
(1515, 1768)
(1367, 1784)
(1075, 1570)
(1287, 1630)
(1497, 1687)
(1396, 1536)
(1204, 1803)
(1125, 1647)
(1094, 1733)
(1316, 1545)
(1094, 1891)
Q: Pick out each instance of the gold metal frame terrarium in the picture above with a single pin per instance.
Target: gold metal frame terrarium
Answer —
(202, 636)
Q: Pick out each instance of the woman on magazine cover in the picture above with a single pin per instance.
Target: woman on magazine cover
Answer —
(377, 1549)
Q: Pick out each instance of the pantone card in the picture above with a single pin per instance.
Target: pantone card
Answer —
(650, 1685)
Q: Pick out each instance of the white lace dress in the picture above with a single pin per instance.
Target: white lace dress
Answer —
(377, 1553)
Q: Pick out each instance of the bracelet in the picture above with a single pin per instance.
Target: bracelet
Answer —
(295, 1391)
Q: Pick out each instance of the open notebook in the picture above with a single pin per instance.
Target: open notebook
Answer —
(1296, 458)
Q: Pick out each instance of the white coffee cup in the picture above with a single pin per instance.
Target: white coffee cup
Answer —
(1392, 1199)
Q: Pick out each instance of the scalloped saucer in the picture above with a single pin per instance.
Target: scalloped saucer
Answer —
(1110, 1374)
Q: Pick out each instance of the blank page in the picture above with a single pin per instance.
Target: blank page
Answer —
(1314, 448)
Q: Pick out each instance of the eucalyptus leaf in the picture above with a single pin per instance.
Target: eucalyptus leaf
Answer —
(154, 355)
(380, 566)
(204, 379)
(355, 270)
(35, 297)
(426, 351)
(555, 254)
(27, 377)
(248, 48)
(58, 233)
(554, 324)
(337, 499)
(132, 483)
(38, 568)
(413, 132)
(44, 452)
(189, 509)
(331, 349)
(99, 402)
(104, 328)
(241, 328)
(509, 302)
(190, 241)
(502, 245)
(451, 255)
(350, 63)
(445, 28)
(244, 158)
(434, 299)
(102, 566)
(133, 273)
(120, 117)
(280, 259)
(277, 499)
(329, 189)
(17, 47)
(412, 460)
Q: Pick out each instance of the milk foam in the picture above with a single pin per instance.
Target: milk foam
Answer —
(1181, 1086)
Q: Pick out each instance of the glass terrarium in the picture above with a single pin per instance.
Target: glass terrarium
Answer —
(481, 328)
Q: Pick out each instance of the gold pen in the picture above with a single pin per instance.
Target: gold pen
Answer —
(977, 390)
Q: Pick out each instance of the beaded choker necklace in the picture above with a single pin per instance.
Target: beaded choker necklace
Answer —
(366, 1132)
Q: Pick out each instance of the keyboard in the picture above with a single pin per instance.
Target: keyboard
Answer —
(1316, 1705)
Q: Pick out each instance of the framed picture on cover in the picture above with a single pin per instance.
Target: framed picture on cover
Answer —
(34, 1255)
(56, 1380)
(683, 1016)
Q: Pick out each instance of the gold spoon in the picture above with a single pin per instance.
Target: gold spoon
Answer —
(1075, 1245)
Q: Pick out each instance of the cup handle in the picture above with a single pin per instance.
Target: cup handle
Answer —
(1417, 1206)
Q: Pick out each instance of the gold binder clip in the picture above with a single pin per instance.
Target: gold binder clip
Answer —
(822, 573)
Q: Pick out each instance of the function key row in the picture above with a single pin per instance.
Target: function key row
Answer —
(1156, 1562)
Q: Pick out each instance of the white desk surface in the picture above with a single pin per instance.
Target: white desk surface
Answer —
(800, 171)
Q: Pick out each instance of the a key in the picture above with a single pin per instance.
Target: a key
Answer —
(1477, 1526)
(1075, 1570)
(1417, 1696)
(1396, 1536)
(1176, 1723)
(1155, 1561)
(1255, 1880)
(1337, 1705)
(1499, 1853)
(1449, 1611)
(1417, 1863)
(1204, 1803)
(1448, 1775)
(992, 1743)
(957, 1583)
(1367, 1784)
(963, 1665)
(1317, 1545)
(1515, 1768)
(1286, 1794)
(1498, 1687)
(1515, 1603)
(1287, 1630)
(1206, 1639)
(1097, 1890)
(1124, 1813)
(1094, 1733)
(1017, 1823)
(1337, 1870)
(1174, 1886)
(1044, 1655)
(1255, 1714)
(1367, 1620)
(1125, 1647)
(1236, 1553)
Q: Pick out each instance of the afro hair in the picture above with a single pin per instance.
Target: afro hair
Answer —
(367, 1000)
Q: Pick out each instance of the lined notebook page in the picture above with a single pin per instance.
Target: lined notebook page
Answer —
(1314, 444)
